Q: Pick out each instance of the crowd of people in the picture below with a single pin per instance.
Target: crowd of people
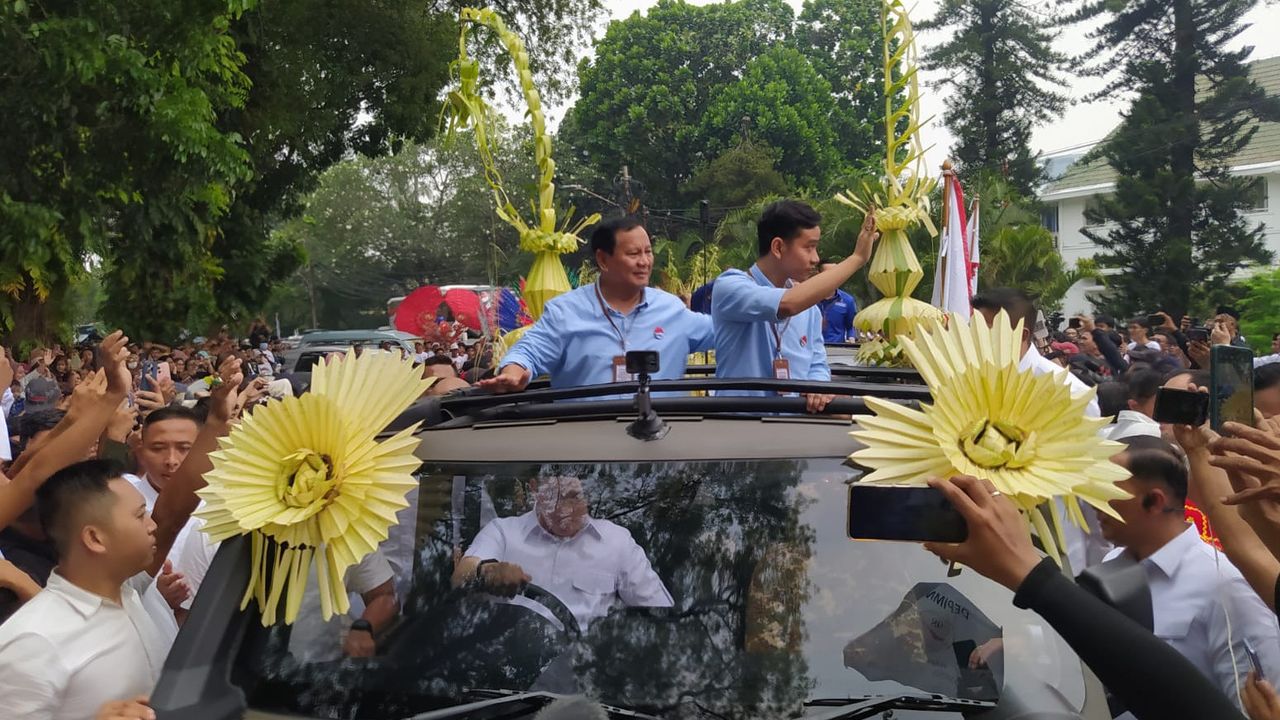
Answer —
(105, 445)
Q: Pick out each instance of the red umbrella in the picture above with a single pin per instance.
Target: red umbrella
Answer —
(417, 312)
(465, 305)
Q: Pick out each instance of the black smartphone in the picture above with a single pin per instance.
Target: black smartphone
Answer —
(1198, 333)
(1181, 407)
(1155, 321)
(910, 514)
(1231, 378)
(1253, 659)
(1074, 323)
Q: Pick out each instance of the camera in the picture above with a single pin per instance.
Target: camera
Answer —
(1198, 333)
(642, 362)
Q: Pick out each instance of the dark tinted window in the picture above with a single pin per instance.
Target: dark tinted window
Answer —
(746, 600)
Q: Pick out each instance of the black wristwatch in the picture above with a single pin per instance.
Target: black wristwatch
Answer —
(362, 625)
(478, 581)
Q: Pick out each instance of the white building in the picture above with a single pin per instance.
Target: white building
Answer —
(1082, 184)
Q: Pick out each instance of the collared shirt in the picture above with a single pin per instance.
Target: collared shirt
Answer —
(837, 316)
(1193, 590)
(575, 343)
(1040, 365)
(1130, 423)
(587, 572)
(150, 494)
(68, 651)
(744, 306)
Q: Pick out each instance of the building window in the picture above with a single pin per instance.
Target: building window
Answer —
(1255, 195)
(1049, 218)
(1093, 211)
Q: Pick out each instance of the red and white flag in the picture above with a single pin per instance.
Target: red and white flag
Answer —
(953, 280)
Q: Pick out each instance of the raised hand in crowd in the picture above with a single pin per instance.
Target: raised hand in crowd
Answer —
(1220, 334)
(17, 581)
(6, 370)
(75, 435)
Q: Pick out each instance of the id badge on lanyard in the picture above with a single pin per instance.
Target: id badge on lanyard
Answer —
(781, 369)
(620, 374)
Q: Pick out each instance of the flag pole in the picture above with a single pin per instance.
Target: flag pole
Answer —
(947, 174)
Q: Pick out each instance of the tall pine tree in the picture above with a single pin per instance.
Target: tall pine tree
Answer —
(1001, 70)
(1178, 231)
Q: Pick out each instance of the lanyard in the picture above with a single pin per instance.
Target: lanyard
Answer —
(756, 274)
(622, 332)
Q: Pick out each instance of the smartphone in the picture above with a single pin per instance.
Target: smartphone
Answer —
(1231, 381)
(162, 373)
(1253, 659)
(1181, 407)
(1198, 333)
(1155, 321)
(1074, 323)
(909, 514)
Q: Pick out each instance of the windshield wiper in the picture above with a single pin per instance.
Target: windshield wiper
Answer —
(506, 703)
(865, 706)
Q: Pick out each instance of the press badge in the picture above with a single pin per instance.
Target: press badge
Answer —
(781, 369)
(620, 374)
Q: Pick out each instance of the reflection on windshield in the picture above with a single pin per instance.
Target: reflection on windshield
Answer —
(675, 589)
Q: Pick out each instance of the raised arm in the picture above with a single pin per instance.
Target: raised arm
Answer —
(72, 439)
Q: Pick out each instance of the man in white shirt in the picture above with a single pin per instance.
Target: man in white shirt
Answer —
(1139, 335)
(1142, 386)
(1203, 607)
(586, 562)
(165, 441)
(99, 631)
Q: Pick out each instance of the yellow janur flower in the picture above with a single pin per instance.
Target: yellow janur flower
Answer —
(1025, 433)
(306, 478)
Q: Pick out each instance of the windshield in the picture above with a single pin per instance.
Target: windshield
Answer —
(718, 589)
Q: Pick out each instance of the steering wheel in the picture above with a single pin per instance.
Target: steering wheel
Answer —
(550, 602)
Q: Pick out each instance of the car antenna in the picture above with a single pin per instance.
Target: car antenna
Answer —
(648, 426)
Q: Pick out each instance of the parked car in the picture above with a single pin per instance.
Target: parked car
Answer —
(746, 598)
(348, 338)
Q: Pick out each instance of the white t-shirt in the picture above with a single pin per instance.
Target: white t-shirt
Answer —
(68, 651)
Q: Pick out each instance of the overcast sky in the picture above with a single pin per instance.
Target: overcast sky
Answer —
(1082, 124)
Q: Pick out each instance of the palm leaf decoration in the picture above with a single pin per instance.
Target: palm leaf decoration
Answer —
(543, 236)
(900, 202)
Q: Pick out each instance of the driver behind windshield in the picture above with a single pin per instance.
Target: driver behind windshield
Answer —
(585, 562)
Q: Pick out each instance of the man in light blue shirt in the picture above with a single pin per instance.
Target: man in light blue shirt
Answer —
(584, 335)
(766, 319)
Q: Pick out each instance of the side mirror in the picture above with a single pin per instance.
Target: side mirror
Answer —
(1122, 584)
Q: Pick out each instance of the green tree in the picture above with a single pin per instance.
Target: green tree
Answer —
(111, 145)
(1001, 69)
(841, 39)
(1176, 208)
(789, 106)
(1024, 257)
(737, 176)
(1260, 310)
(380, 227)
(169, 138)
(667, 91)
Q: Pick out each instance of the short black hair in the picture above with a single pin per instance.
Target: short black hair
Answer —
(1154, 460)
(70, 491)
(171, 412)
(783, 219)
(605, 236)
(1140, 322)
(439, 360)
(1199, 378)
(1105, 320)
(1266, 376)
(1111, 397)
(36, 421)
(1013, 301)
(1143, 384)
